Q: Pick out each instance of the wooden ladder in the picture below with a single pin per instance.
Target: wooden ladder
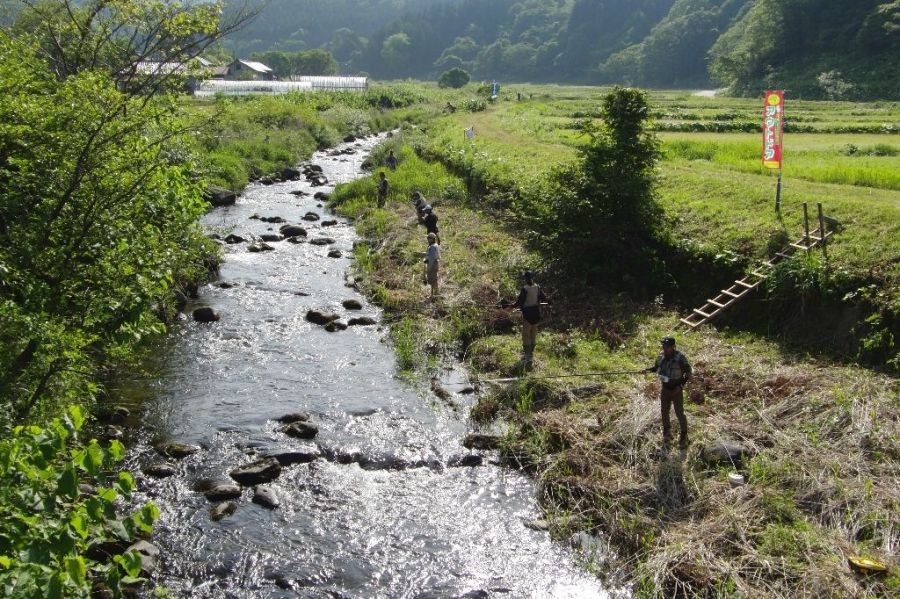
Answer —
(749, 283)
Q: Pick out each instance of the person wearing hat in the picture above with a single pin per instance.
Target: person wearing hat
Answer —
(673, 370)
(432, 263)
(529, 302)
(382, 189)
(430, 221)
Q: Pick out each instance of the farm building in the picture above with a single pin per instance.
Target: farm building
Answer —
(250, 70)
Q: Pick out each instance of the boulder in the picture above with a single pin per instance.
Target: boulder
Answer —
(322, 241)
(321, 196)
(481, 441)
(362, 321)
(232, 239)
(293, 231)
(272, 237)
(329, 223)
(295, 417)
(299, 193)
(223, 491)
(336, 325)
(272, 219)
(313, 168)
(176, 450)
(290, 174)
(311, 217)
(318, 181)
(469, 460)
(222, 510)
(296, 240)
(267, 181)
(257, 473)
(219, 196)
(111, 433)
(300, 430)
(725, 453)
(335, 253)
(260, 246)
(539, 525)
(149, 554)
(316, 317)
(159, 470)
(350, 139)
(352, 304)
(265, 497)
(302, 455)
(206, 315)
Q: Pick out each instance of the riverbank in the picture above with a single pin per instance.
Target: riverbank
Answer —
(817, 441)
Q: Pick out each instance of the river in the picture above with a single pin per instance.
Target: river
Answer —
(387, 514)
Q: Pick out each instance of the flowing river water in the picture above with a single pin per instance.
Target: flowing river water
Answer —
(387, 511)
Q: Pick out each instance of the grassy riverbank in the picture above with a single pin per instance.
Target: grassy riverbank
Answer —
(822, 438)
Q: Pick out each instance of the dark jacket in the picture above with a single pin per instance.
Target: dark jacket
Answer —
(531, 310)
(430, 221)
(675, 368)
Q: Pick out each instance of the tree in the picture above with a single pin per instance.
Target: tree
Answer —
(396, 52)
(454, 78)
(600, 217)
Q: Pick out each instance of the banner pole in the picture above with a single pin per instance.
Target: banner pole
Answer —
(778, 194)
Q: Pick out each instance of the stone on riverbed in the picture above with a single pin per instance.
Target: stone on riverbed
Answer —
(222, 510)
(272, 237)
(223, 491)
(363, 321)
(322, 241)
(293, 231)
(219, 196)
(300, 455)
(329, 223)
(352, 304)
(335, 253)
(160, 470)
(260, 247)
(206, 315)
(258, 472)
(300, 430)
(335, 326)
(232, 239)
(295, 417)
(311, 217)
(481, 441)
(176, 450)
(316, 317)
(265, 497)
(469, 460)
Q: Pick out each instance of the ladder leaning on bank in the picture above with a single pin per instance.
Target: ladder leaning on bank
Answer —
(748, 284)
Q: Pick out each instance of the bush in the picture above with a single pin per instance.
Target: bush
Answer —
(454, 78)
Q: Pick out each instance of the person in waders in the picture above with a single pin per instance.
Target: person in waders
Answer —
(430, 220)
(382, 190)
(432, 264)
(391, 161)
(673, 370)
(529, 302)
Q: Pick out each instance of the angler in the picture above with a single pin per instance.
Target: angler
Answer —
(529, 302)
(674, 371)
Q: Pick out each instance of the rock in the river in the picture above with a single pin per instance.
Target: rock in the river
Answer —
(336, 325)
(300, 430)
(149, 554)
(296, 240)
(300, 455)
(219, 196)
(318, 181)
(267, 180)
(222, 510)
(265, 497)
(272, 219)
(232, 239)
(316, 317)
(176, 450)
(290, 174)
(322, 241)
(260, 247)
(335, 253)
(539, 525)
(223, 491)
(271, 237)
(311, 217)
(725, 452)
(481, 441)
(293, 231)
(352, 304)
(329, 223)
(350, 138)
(362, 321)
(299, 193)
(258, 472)
(321, 196)
(469, 460)
(295, 417)
(312, 168)
(206, 315)
(160, 470)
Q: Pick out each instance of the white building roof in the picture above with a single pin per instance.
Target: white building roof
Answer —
(255, 66)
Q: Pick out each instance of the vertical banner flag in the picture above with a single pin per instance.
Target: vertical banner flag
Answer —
(773, 130)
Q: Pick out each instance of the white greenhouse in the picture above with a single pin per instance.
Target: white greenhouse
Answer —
(212, 87)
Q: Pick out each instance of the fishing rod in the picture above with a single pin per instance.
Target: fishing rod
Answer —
(558, 376)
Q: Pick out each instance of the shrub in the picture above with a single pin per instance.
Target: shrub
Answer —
(454, 78)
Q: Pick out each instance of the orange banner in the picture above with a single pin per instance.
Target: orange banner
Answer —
(773, 130)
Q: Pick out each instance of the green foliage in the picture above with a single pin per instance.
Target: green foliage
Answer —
(600, 216)
(454, 78)
(308, 62)
(50, 524)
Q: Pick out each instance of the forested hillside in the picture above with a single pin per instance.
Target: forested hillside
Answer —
(816, 48)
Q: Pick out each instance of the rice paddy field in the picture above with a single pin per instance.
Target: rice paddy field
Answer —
(714, 189)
